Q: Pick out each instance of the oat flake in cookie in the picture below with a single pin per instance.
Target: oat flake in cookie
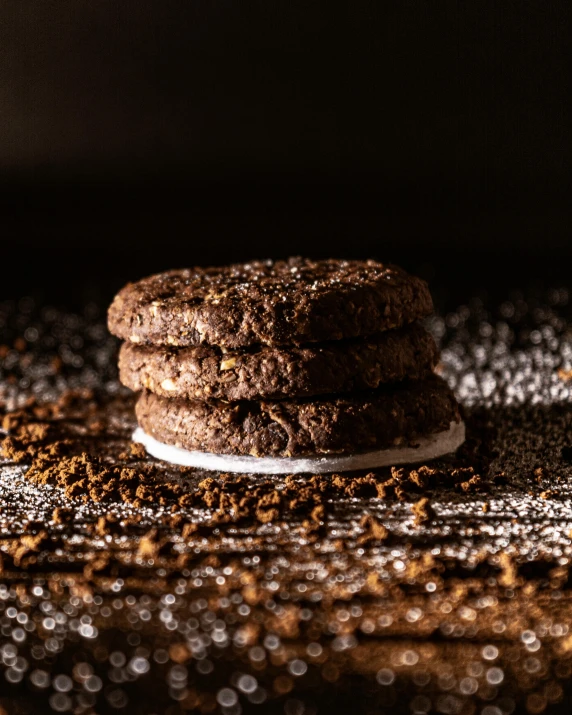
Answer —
(268, 302)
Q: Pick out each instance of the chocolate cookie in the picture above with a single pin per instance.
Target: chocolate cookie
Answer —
(268, 302)
(276, 372)
(375, 419)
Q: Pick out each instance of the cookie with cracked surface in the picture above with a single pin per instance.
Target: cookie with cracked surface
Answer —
(390, 416)
(279, 372)
(295, 301)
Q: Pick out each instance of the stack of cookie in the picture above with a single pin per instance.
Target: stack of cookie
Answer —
(284, 367)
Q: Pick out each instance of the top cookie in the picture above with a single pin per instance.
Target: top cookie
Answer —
(268, 302)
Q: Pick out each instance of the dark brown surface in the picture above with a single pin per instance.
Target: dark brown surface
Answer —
(442, 588)
(273, 303)
(342, 366)
(376, 419)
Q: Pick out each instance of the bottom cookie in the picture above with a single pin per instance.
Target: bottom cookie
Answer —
(430, 447)
(356, 423)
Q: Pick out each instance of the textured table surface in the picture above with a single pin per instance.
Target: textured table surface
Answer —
(128, 586)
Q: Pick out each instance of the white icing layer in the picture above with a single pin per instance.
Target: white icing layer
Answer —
(430, 447)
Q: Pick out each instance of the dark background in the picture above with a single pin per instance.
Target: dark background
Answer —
(148, 134)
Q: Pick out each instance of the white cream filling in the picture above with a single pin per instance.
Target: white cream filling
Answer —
(430, 447)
